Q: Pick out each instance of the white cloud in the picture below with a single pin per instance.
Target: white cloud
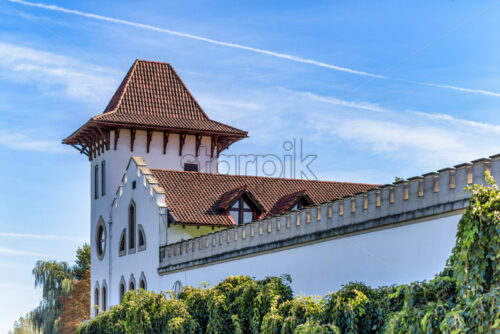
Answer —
(26, 141)
(461, 89)
(199, 38)
(11, 251)
(40, 236)
(385, 136)
(56, 72)
(227, 109)
(339, 102)
(243, 47)
(458, 121)
(416, 141)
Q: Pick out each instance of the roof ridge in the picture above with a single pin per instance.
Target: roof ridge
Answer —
(123, 86)
(152, 61)
(187, 89)
(132, 71)
(261, 177)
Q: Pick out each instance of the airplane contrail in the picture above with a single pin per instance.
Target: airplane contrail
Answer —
(199, 38)
(244, 47)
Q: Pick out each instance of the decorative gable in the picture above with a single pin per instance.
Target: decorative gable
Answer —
(295, 200)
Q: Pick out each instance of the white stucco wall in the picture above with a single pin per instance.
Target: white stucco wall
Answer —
(116, 162)
(394, 255)
(399, 254)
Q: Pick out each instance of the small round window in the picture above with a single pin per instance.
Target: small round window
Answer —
(100, 239)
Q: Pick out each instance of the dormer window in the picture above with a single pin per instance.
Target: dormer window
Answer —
(300, 205)
(293, 201)
(241, 212)
(240, 205)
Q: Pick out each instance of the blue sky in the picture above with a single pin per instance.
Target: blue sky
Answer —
(374, 89)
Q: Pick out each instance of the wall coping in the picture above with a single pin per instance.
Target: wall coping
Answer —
(431, 194)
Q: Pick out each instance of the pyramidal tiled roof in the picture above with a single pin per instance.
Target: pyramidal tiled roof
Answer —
(196, 198)
(152, 94)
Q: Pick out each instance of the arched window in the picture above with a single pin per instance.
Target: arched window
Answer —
(131, 284)
(104, 296)
(131, 226)
(142, 282)
(241, 212)
(100, 239)
(123, 243)
(122, 288)
(96, 299)
(141, 236)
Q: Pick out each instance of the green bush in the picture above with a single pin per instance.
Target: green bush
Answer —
(143, 312)
(463, 298)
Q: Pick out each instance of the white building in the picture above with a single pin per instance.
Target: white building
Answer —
(162, 216)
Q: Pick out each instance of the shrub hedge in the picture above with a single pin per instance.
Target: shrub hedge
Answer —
(463, 298)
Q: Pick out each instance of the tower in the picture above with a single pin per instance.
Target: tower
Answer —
(153, 115)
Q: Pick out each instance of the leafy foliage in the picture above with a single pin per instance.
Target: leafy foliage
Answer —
(24, 326)
(144, 312)
(463, 298)
(56, 280)
(75, 306)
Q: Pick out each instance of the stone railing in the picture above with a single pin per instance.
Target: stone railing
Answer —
(435, 193)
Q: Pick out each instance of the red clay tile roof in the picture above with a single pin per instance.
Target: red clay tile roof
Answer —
(286, 202)
(153, 94)
(193, 198)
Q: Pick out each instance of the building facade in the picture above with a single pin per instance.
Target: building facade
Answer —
(162, 217)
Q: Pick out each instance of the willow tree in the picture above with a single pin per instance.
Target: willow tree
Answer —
(56, 280)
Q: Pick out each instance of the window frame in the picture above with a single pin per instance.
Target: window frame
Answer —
(301, 203)
(241, 210)
(132, 228)
(142, 281)
(123, 237)
(96, 181)
(122, 288)
(191, 167)
(131, 283)
(140, 231)
(100, 248)
(103, 178)
(104, 296)
(96, 298)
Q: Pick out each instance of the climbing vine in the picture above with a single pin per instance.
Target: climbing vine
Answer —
(463, 298)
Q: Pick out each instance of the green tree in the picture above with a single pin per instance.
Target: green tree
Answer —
(56, 280)
(24, 326)
(82, 263)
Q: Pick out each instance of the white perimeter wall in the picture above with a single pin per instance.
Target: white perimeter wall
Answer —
(395, 255)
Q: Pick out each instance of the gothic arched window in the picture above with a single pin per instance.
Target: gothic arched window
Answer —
(122, 291)
(96, 299)
(131, 226)
(122, 288)
(141, 236)
(131, 284)
(104, 297)
(142, 282)
(123, 242)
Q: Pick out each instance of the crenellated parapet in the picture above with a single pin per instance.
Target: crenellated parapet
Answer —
(418, 198)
